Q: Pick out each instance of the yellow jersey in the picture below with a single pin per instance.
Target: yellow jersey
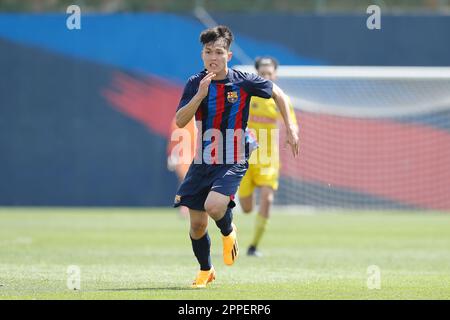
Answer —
(264, 114)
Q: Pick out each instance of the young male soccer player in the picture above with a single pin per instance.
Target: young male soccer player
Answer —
(263, 119)
(219, 98)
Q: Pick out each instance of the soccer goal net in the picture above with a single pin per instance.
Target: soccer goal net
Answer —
(370, 137)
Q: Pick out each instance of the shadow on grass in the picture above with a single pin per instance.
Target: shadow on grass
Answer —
(149, 289)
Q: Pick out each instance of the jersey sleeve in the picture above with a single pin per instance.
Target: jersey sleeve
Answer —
(189, 92)
(258, 86)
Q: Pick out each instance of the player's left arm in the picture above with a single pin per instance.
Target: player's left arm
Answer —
(282, 102)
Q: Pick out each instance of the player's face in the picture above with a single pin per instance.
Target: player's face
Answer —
(268, 72)
(215, 57)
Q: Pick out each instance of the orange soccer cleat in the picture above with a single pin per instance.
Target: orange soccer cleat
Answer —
(230, 247)
(203, 278)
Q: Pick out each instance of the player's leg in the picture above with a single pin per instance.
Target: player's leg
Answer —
(201, 245)
(217, 207)
(219, 204)
(262, 218)
(246, 192)
(198, 224)
(266, 201)
(266, 178)
(192, 193)
(247, 203)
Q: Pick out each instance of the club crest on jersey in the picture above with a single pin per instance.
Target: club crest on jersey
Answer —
(232, 96)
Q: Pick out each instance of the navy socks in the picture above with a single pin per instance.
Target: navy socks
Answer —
(202, 246)
(201, 249)
(224, 224)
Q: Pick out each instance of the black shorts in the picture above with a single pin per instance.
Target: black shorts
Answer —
(203, 178)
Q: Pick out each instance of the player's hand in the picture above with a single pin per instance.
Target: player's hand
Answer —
(204, 85)
(292, 140)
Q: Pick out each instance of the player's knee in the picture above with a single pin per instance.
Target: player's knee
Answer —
(267, 196)
(198, 229)
(246, 208)
(269, 199)
(246, 203)
(215, 208)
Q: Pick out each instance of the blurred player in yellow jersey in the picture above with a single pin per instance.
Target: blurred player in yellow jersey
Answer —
(174, 163)
(264, 115)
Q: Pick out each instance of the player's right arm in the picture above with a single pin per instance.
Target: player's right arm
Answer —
(282, 103)
(292, 114)
(186, 112)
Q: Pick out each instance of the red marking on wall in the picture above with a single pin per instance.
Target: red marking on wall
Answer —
(151, 101)
(405, 162)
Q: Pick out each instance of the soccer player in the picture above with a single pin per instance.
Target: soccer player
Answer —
(264, 116)
(174, 163)
(219, 97)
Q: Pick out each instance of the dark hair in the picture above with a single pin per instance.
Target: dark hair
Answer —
(216, 33)
(264, 61)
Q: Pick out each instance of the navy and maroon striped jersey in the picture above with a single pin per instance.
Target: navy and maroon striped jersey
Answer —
(225, 109)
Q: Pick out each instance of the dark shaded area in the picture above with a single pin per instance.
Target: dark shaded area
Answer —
(62, 144)
(408, 40)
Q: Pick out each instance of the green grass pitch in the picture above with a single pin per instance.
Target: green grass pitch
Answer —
(146, 254)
